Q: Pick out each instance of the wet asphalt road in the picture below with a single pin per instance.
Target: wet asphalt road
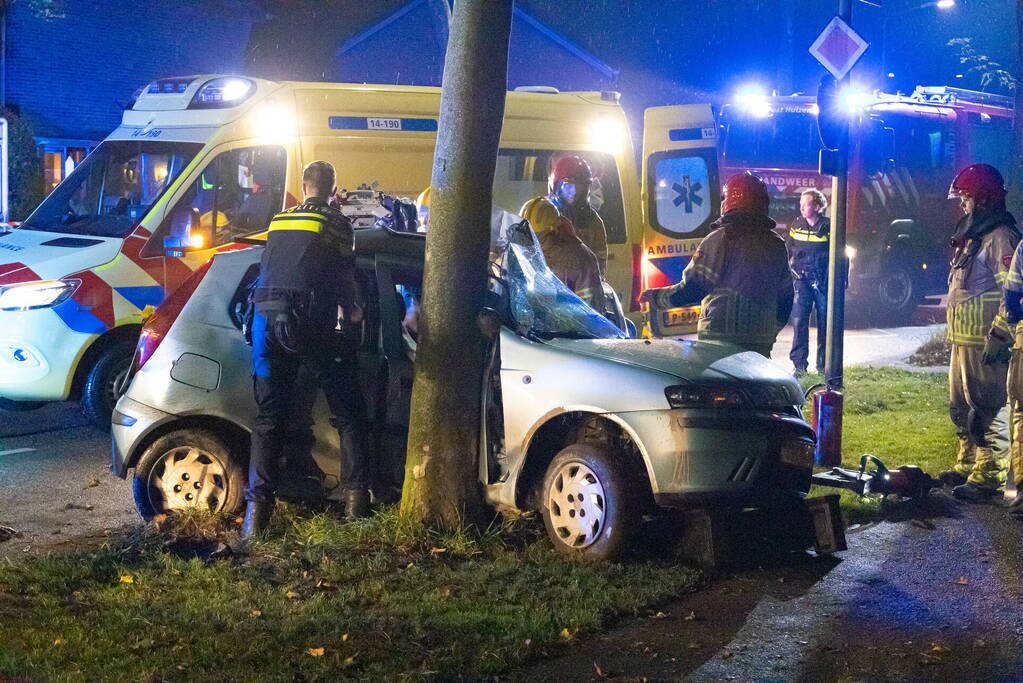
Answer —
(55, 480)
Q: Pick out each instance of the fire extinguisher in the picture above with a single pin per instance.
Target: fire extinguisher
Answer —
(826, 420)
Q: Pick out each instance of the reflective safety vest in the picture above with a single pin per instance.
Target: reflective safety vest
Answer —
(808, 249)
(975, 287)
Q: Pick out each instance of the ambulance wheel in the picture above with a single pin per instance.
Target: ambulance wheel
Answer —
(188, 468)
(20, 406)
(589, 504)
(102, 385)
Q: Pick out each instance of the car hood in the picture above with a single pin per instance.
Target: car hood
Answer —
(27, 255)
(694, 361)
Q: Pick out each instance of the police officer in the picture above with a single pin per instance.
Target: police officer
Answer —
(807, 243)
(739, 274)
(566, 255)
(306, 276)
(983, 244)
(568, 191)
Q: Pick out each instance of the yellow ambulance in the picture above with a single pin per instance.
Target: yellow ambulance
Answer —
(200, 161)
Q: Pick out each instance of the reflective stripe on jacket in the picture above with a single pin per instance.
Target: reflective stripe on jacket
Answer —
(976, 281)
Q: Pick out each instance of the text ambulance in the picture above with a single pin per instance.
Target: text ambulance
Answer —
(199, 161)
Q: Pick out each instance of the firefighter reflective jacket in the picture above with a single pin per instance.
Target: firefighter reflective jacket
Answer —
(566, 254)
(980, 265)
(741, 273)
(808, 249)
(308, 262)
(588, 226)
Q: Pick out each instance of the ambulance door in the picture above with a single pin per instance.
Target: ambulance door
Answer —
(235, 193)
(681, 198)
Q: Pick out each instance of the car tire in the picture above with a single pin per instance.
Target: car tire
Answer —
(897, 296)
(20, 406)
(600, 525)
(188, 468)
(101, 388)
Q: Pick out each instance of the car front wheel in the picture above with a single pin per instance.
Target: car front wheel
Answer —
(188, 468)
(589, 504)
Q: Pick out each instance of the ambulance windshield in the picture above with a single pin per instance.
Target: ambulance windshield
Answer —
(785, 139)
(113, 188)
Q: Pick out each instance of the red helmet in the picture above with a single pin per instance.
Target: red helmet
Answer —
(745, 192)
(979, 182)
(572, 169)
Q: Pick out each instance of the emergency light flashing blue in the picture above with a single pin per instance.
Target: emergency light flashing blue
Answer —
(219, 93)
(753, 100)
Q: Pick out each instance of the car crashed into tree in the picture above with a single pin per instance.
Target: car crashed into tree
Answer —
(590, 428)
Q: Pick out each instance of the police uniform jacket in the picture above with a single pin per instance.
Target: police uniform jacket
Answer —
(308, 265)
(808, 249)
(740, 276)
(983, 249)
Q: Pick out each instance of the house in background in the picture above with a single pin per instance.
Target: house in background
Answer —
(71, 74)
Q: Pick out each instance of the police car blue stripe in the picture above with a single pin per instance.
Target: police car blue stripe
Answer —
(140, 297)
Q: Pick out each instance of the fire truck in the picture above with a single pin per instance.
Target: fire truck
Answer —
(906, 150)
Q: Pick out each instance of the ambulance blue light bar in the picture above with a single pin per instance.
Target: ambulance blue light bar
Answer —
(222, 92)
(169, 86)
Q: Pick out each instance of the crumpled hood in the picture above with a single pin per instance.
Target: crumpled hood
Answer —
(27, 255)
(694, 361)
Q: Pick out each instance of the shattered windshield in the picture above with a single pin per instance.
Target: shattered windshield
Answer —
(541, 305)
(113, 189)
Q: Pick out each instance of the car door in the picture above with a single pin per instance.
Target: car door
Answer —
(681, 198)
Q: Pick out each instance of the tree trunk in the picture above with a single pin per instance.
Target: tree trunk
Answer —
(441, 471)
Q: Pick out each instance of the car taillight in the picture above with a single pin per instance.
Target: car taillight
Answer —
(157, 326)
(638, 282)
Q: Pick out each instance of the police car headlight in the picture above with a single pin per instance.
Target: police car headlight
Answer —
(25, 296)
(697, 396)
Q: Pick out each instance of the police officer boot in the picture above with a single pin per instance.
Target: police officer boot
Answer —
(356, 504)
(257, 516)
(1016, 504)
(972, 493)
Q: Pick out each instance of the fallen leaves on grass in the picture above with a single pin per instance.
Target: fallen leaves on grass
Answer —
(127, 578)
(315, 651)
(292, 595)
(255, 613)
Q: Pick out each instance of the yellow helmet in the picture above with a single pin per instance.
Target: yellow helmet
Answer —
(423, 208)
(541, 214)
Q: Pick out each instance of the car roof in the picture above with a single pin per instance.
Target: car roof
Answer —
(375, 241)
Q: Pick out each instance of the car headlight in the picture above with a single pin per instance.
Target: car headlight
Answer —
(25, 296)
(775, 396)
(702, 396)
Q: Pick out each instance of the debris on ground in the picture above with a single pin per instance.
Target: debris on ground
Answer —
(7, 533)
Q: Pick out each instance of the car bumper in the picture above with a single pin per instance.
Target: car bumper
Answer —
(699, 457)
(131, 424)
(38, 355)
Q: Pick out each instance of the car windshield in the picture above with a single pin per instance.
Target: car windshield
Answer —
(541, 305)
(786, 139)
(113, 188)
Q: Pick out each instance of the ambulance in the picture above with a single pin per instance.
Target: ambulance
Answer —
(201, 161)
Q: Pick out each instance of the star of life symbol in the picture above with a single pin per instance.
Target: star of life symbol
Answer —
(688, 193)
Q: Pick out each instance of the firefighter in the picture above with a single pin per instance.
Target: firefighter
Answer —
(983, 243)
(568, 191)
(739, 274)
(807, 243)
(306, 276)
(566, 255)
(1014, 315)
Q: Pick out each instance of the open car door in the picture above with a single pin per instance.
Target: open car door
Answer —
(681, 198)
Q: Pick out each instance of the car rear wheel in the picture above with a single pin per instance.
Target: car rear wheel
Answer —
(589, 505)
(103, 383)
(188, 468)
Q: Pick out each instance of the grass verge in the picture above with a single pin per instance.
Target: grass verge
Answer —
(371, 600)
(935, 351)
(899, 416)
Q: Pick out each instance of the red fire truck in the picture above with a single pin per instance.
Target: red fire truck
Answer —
(900, 220)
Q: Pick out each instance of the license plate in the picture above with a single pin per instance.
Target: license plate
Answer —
(674, 317)
(383, 124)
(798, 453)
